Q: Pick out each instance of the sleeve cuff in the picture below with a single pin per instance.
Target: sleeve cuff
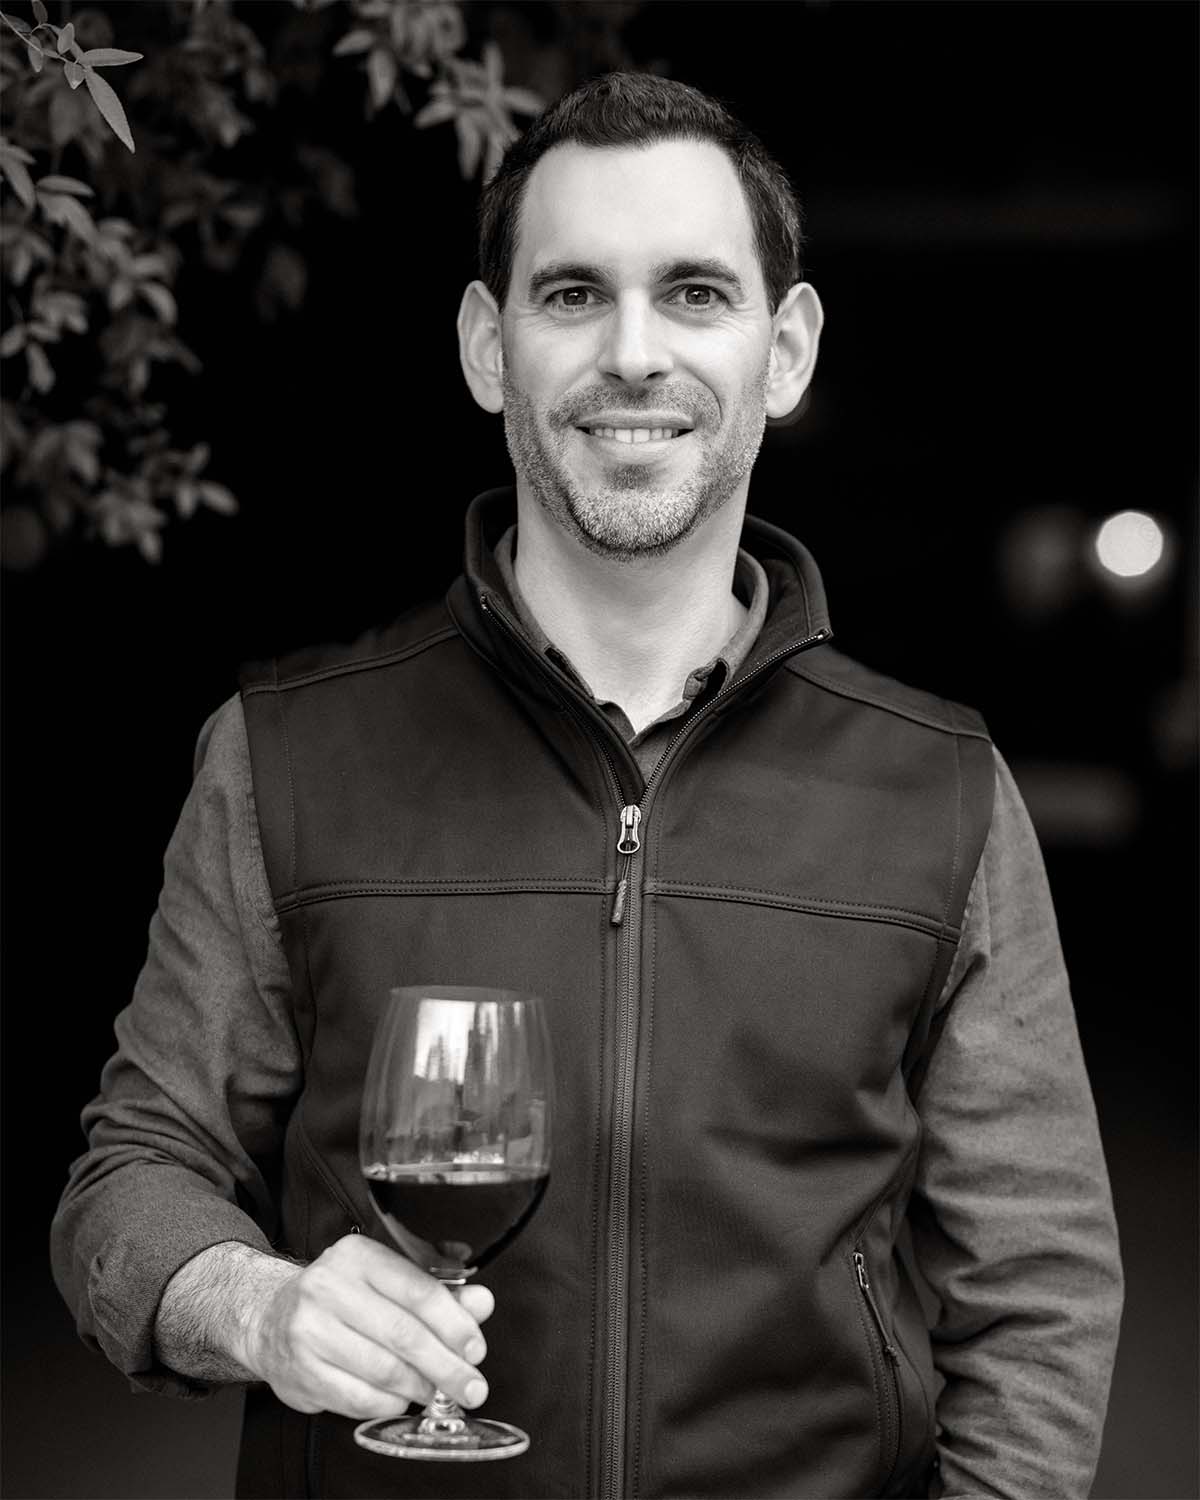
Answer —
(125, 1286)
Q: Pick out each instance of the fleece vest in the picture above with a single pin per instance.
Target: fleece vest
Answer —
(742, 989)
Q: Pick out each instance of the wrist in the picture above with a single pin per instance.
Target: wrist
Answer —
(262, 1281)
(208, 1321)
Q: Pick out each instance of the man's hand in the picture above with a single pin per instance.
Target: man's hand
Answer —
(361, 1331)
(360, 1327)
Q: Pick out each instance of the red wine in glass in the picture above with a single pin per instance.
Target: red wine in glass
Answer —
(455, 1149)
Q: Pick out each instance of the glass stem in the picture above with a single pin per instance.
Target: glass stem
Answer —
(442, 1416)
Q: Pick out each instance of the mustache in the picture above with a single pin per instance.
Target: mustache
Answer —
(699, 406)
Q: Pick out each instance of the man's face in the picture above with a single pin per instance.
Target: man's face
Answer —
(636, 341)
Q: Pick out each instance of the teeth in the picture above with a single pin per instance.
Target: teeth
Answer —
(635, 434)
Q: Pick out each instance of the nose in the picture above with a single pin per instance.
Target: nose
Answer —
(635, 347)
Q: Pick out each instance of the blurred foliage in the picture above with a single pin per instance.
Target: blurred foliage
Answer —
(100, 211)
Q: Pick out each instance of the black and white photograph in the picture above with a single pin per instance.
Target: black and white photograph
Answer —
(600, 712)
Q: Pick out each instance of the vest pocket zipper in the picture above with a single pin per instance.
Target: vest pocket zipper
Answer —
(891, 1360)
(331, 1183)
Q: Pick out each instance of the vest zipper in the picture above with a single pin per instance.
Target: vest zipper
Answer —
(612, 1457)
(893, 1360)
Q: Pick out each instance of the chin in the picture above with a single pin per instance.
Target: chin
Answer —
(614, 525)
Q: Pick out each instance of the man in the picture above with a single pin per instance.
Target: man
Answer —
(789, 918)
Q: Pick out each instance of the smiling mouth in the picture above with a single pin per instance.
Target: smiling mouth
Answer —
(631, 435)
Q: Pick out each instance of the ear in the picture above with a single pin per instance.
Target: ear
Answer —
(796, 332)
(479, 346)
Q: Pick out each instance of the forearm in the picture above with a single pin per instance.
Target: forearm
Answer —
(206, 1322)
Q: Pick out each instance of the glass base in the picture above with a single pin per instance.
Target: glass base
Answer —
(478, 1439)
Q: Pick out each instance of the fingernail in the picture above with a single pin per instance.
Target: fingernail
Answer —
(475, 1350)
(476, 1392)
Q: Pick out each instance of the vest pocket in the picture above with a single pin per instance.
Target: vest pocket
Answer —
(330, 1183)
(885, 1369)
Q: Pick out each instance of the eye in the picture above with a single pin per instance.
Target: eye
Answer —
(699, 298)
(570, 299)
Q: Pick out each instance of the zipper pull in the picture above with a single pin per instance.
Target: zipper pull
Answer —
(628, 844)
(860, 1266)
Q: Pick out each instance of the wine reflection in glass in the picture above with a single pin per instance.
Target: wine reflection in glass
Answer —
(455, 1148)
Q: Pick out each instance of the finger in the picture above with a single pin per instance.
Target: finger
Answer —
(353, 1353)
(399, 1334)
(348, 1395)
(424, 1296)
(478, 1301)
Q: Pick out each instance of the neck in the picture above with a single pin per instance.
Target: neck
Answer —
(634, 629)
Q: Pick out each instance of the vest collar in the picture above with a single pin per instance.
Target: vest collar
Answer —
(796, 612)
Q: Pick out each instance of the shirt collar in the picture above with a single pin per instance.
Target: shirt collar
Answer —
(749, 584)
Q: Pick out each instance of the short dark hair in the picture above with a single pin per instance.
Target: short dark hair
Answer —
(635, 109)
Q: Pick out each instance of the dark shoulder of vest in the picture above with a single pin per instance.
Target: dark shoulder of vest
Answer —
(268, 689)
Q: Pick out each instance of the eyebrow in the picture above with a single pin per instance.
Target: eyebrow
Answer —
(560, 271)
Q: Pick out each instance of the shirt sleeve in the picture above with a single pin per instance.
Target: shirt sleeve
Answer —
(186, 1133)
(1012, 1215)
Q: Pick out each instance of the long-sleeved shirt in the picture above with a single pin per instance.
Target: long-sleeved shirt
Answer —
(1011, 1215)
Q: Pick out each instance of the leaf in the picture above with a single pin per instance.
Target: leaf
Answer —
(72, 185)
(354, 41)
(435, 112)
(40, 13)
(381, 71)
(66, 38)
(83, 439)
(8, 149)
(149, 544)
(74, 74)
(70, 213)
(217, 497)
(161, 300)
(148, 265)
(524, 101)
(41, 372)
(22, 183)
(109, 106)
(245, 216)
(22, 28)
(108, 57)
(187, 497)
(470, 143)
(13, 340)
(36, 61)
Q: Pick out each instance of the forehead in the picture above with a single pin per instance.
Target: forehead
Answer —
(632, 207)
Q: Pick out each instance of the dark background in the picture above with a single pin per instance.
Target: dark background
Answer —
(1002, 212)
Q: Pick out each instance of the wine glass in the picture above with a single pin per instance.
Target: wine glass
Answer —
(455, 1148)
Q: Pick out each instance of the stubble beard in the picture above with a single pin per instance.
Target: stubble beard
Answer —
(631, 513)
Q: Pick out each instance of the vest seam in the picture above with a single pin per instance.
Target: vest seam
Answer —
(514, 886)
(688, 890)
(861, 695)
(287, 756)
(928, 1000)
(359, 664)
(936, 927)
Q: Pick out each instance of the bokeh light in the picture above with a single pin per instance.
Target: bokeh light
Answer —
(1129, 543)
